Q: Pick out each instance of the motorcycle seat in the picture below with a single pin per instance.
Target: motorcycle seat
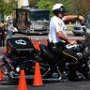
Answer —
(46, 52)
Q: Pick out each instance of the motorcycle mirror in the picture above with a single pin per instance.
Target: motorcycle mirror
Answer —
(86, 24)
(87, 21)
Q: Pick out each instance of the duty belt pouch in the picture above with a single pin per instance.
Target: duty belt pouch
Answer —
(58, 47)
(20, 46)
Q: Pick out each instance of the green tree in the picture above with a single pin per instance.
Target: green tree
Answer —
(2, 6)
(6, 8)
(10, 6)
(33, 2)
(49, 4)
(82, 6)
(45, 4)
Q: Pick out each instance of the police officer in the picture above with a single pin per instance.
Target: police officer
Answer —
(10, 29)
(58, 38)
(2, 33)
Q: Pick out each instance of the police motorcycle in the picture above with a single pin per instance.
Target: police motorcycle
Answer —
(82, 51)
(22, 55)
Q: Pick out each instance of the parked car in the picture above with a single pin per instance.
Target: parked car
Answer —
(78, 30)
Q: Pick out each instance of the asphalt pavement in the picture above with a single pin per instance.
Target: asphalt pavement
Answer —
(66, 85)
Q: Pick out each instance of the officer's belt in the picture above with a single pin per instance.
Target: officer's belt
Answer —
(59, 43)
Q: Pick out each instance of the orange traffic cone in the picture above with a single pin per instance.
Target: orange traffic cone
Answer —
(1, 76)
(22, 82)
(37, 76)
(47, 42)
(37, 45)
(5, 50)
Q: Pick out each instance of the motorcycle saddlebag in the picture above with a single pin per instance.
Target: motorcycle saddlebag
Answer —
(20, 46)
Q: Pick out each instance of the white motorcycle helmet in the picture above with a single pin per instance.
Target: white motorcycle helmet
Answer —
(58, 8)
